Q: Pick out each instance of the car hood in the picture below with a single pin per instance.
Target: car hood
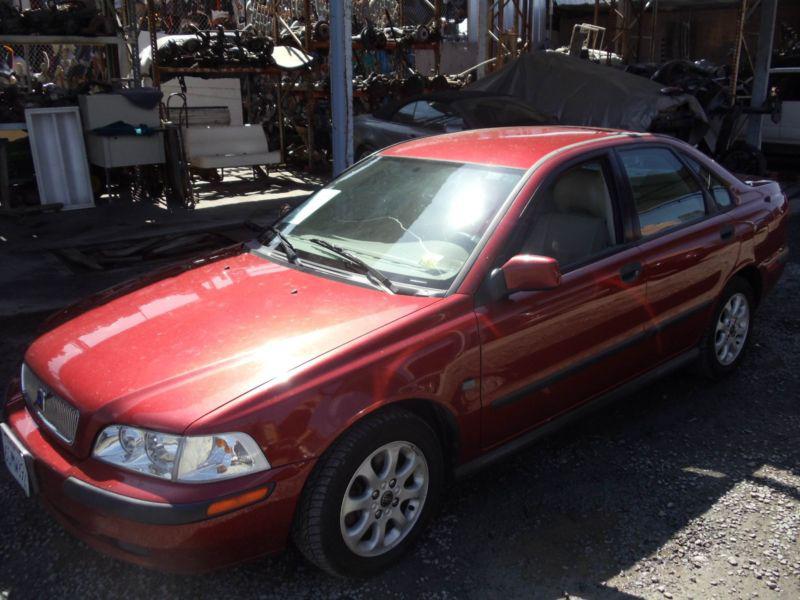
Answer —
(169, 352)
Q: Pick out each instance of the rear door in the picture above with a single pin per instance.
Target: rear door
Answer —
(687, 242)
(544, 352)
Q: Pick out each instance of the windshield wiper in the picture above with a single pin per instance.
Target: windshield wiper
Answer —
(291, 253)
(369, 272)
(288, 248)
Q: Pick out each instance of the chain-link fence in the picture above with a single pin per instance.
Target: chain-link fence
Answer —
(68, 66)
(83, 50)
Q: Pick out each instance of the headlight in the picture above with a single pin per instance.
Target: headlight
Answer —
(194, 459)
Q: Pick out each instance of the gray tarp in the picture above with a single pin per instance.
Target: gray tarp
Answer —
(579, 92)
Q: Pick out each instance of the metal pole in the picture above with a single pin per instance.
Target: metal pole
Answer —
(766, 33)
(341, 74)
(132, 28)
(279, 87)
(737, 56)
(653, 31)
(481, 11)
(151, 27)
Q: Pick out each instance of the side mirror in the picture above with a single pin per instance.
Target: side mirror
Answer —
(528, 272)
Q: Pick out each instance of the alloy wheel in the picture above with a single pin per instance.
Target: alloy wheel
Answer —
(732, 328)
(384, 499)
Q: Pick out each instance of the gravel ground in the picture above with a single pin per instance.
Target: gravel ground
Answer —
(684, 490)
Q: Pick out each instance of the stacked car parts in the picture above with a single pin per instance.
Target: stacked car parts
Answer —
(217, 49)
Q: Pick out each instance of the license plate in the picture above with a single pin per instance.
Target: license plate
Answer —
(17, 459)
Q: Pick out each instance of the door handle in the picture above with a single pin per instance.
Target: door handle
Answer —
(726, 232)
(630, 272)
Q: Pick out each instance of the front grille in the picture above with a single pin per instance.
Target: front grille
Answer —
(57, 414)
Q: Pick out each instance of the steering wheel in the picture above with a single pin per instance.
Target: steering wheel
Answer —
(461, 238)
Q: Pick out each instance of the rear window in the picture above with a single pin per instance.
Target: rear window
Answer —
(665, 192)
(713, 184)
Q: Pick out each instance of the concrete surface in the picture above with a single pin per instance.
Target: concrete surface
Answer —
(39, 279)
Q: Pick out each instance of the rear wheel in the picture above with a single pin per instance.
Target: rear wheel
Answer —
(729, 334)
(370, 495)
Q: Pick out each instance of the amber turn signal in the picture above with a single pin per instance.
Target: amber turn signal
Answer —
(229, 504)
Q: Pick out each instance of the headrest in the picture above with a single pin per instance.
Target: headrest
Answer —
(582, 190)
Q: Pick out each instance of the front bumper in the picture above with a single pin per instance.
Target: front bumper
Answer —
(156, 525)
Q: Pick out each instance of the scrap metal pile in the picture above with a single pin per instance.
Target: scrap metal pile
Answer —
(217, 49)
(692, 101)
(369, 36)
(384, 71)
(788, 52)
(68, 17)
(378, 88)
(711, 85)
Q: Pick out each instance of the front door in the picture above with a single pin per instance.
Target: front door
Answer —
(544, 352)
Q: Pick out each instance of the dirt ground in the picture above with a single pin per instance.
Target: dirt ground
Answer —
(686, 489)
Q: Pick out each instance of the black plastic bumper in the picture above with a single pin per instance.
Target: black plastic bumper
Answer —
(133, 509)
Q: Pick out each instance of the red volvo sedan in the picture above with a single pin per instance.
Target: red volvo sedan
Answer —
(439, 305)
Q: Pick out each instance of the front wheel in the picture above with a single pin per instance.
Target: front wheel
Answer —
(370, 495)
(729, 334)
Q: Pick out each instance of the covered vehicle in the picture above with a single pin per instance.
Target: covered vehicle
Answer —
(442, 112)
(580, 92)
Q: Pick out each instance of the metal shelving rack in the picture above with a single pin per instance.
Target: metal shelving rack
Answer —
(268, 15)
(26, 41)
(241, 72)
(504, 43)
(311, 95)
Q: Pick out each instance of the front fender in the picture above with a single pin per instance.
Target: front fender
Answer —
(429, 356)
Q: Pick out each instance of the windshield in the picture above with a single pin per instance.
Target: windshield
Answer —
(415, 221)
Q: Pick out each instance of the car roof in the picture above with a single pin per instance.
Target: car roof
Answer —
(514, 147)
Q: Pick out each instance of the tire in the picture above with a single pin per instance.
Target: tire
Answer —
(715, 362)
(344, 542)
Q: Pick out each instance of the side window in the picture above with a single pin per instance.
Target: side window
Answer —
(715, 186)
(405, 114)
(573, 218)
(665, 193)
